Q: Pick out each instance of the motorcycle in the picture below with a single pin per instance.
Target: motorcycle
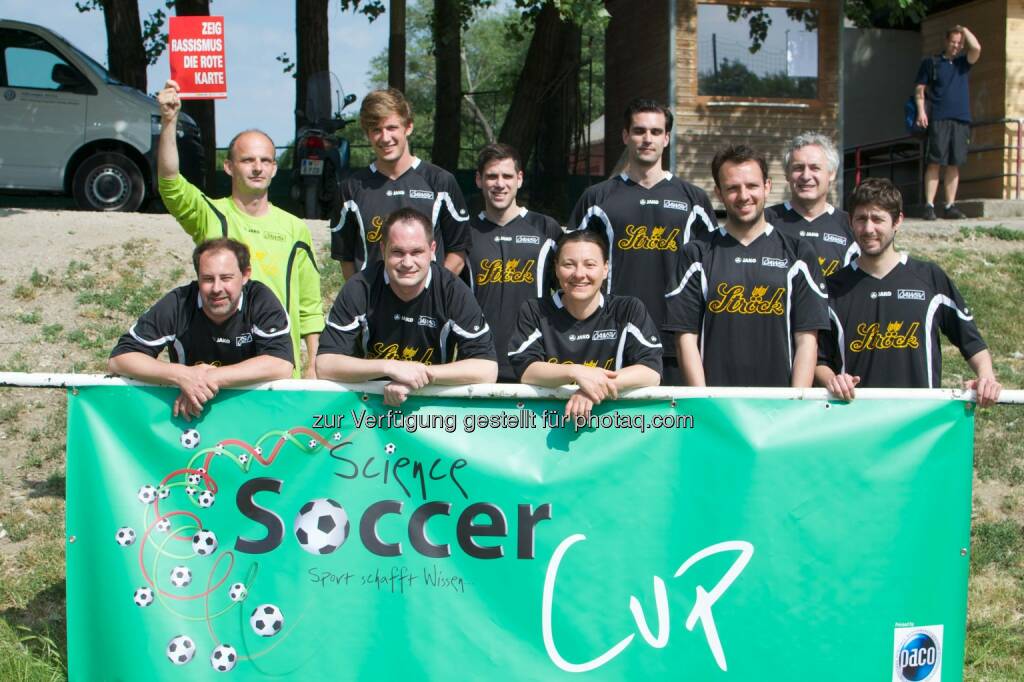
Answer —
(321, 157)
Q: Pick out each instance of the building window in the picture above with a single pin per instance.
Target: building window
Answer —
(745, 51)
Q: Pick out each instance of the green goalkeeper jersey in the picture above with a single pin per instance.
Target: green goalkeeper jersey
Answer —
(279, 244)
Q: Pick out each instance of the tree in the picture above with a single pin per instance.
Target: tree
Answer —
(447, 30)
(126, 55)
(396, 46)
(312, 58)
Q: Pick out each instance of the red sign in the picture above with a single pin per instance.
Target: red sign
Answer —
(197, 57)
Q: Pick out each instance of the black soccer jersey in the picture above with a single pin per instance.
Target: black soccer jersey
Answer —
(369, 321)
(829, 233)
(620, 333)
(746, 302)
(646, 229)
(886, 331)
(368, 197)
(177, 322)
(506, 266)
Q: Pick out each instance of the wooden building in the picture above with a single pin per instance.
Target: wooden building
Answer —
(722, 84)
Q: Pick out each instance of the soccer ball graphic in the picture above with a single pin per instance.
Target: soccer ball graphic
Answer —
(223, 658)
(180, 650)
(258, 450)
(237, 592)
(163, 492)
(204, 543)
(244, 457)
(389, 449)
(181, 576)
(313, 443)
(190, 491)
(163, 525)
(337, 435)
(193, 479)
(147, 494)
(189, 440)
(125, 536)
(206, 499)
(143, 596)
(266, 620)
(321, 526)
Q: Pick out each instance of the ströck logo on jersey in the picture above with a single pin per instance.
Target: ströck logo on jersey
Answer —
(834, 238)
(918, 654)
(527, 239)
(395, 192)
(605, 335)
(774, 262)
(910, 294)
(675, 205)
(421, 194)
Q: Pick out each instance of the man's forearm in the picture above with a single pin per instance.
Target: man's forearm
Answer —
(689, 360)
(981, 363)
(805, 359)
(348, 269)
(468, 371)
(338, 367)
(636, 376)
(823, 374)
(919, 98)
(312, 342)
(167, 165)
(144, 368)
(455, 261)
(252, 371)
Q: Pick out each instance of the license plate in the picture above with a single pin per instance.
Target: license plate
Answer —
(312, 167)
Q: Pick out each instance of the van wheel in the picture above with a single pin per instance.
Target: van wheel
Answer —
(108, 181)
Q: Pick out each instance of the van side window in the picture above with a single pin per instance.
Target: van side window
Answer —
(29, 61)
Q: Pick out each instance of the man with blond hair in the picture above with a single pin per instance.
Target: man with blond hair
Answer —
(396, 179)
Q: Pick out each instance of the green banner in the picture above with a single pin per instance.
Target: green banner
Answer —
(324, 536)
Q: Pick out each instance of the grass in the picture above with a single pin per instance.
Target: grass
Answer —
(995, 232)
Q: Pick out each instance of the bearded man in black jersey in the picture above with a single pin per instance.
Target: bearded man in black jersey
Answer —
(222, 330)
(749, 302)
(646, 214)
(887, 310)
(406, 319)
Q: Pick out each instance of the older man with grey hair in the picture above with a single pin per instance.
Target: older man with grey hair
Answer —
(811, 164)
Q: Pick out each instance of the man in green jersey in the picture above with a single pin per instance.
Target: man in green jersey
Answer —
(280, 243)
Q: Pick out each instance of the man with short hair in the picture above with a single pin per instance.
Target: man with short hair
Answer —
(281, 246)
(407, 319)
(943, 80)
(396, 179)
(887, 310)
(811, 162)
(221, 330)
(647, 214)
(510, 248)
(749, 302)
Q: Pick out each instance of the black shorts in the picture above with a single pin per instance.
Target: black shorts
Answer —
(947, 142)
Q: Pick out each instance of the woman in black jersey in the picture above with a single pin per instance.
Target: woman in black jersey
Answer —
(578, 335)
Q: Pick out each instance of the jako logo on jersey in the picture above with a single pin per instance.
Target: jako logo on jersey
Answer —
(502, 238)
(910, 294)
(605, 335)
(244, 339)
(579, 337)
(881, 294)
(527, 239)
(221, 339)
(395, 192)
(403, 318)
(808, 234)
(774, 262)
(745, 260)
(834, 238)
(676, 205)
(917, 654)
(420, 194)
(648, 202)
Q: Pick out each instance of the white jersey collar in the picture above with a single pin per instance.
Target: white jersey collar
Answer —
(903, 260)
(829, 209)
(426, 284)
(556, 298)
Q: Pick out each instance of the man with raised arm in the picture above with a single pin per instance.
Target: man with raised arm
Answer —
(749, 302)
(887, 310)
(811, 162)
(406, 319)
(511, 247)
(221, 330)
(646, 214)
(396, 179)
(280, 243)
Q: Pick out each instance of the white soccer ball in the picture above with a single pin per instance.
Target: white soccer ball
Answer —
(189, 439)
(223, 658)
(206, 499)
(143, 597)
(194, 479)
(125, 536)
(258, 450)
(181, 649)
(181, 576)
(321, 526)
(238, 592)
(389, 449)
(244, 457)
(163, 492)
(219, 449)
(147, 494)
(337, 435)
(313, 443)
(204, 543)
(266, 620)
(163, 525)
(190, 491)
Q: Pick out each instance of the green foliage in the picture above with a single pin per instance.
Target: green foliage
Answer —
(370, 8)
(31, 317)
(1000, 543)
(154, 37)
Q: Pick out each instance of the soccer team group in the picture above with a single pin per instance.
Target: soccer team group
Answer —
(643, 287)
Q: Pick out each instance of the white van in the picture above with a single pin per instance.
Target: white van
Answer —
(68, 126)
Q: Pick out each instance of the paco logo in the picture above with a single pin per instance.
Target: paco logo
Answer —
(395, 192)
(774, 262)
(426, 321)
(917, 654)
(605, 335)
(834, 238)
(243, 339)
(420, 194)
(675, 205)
(527, 239)
(910, 295)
